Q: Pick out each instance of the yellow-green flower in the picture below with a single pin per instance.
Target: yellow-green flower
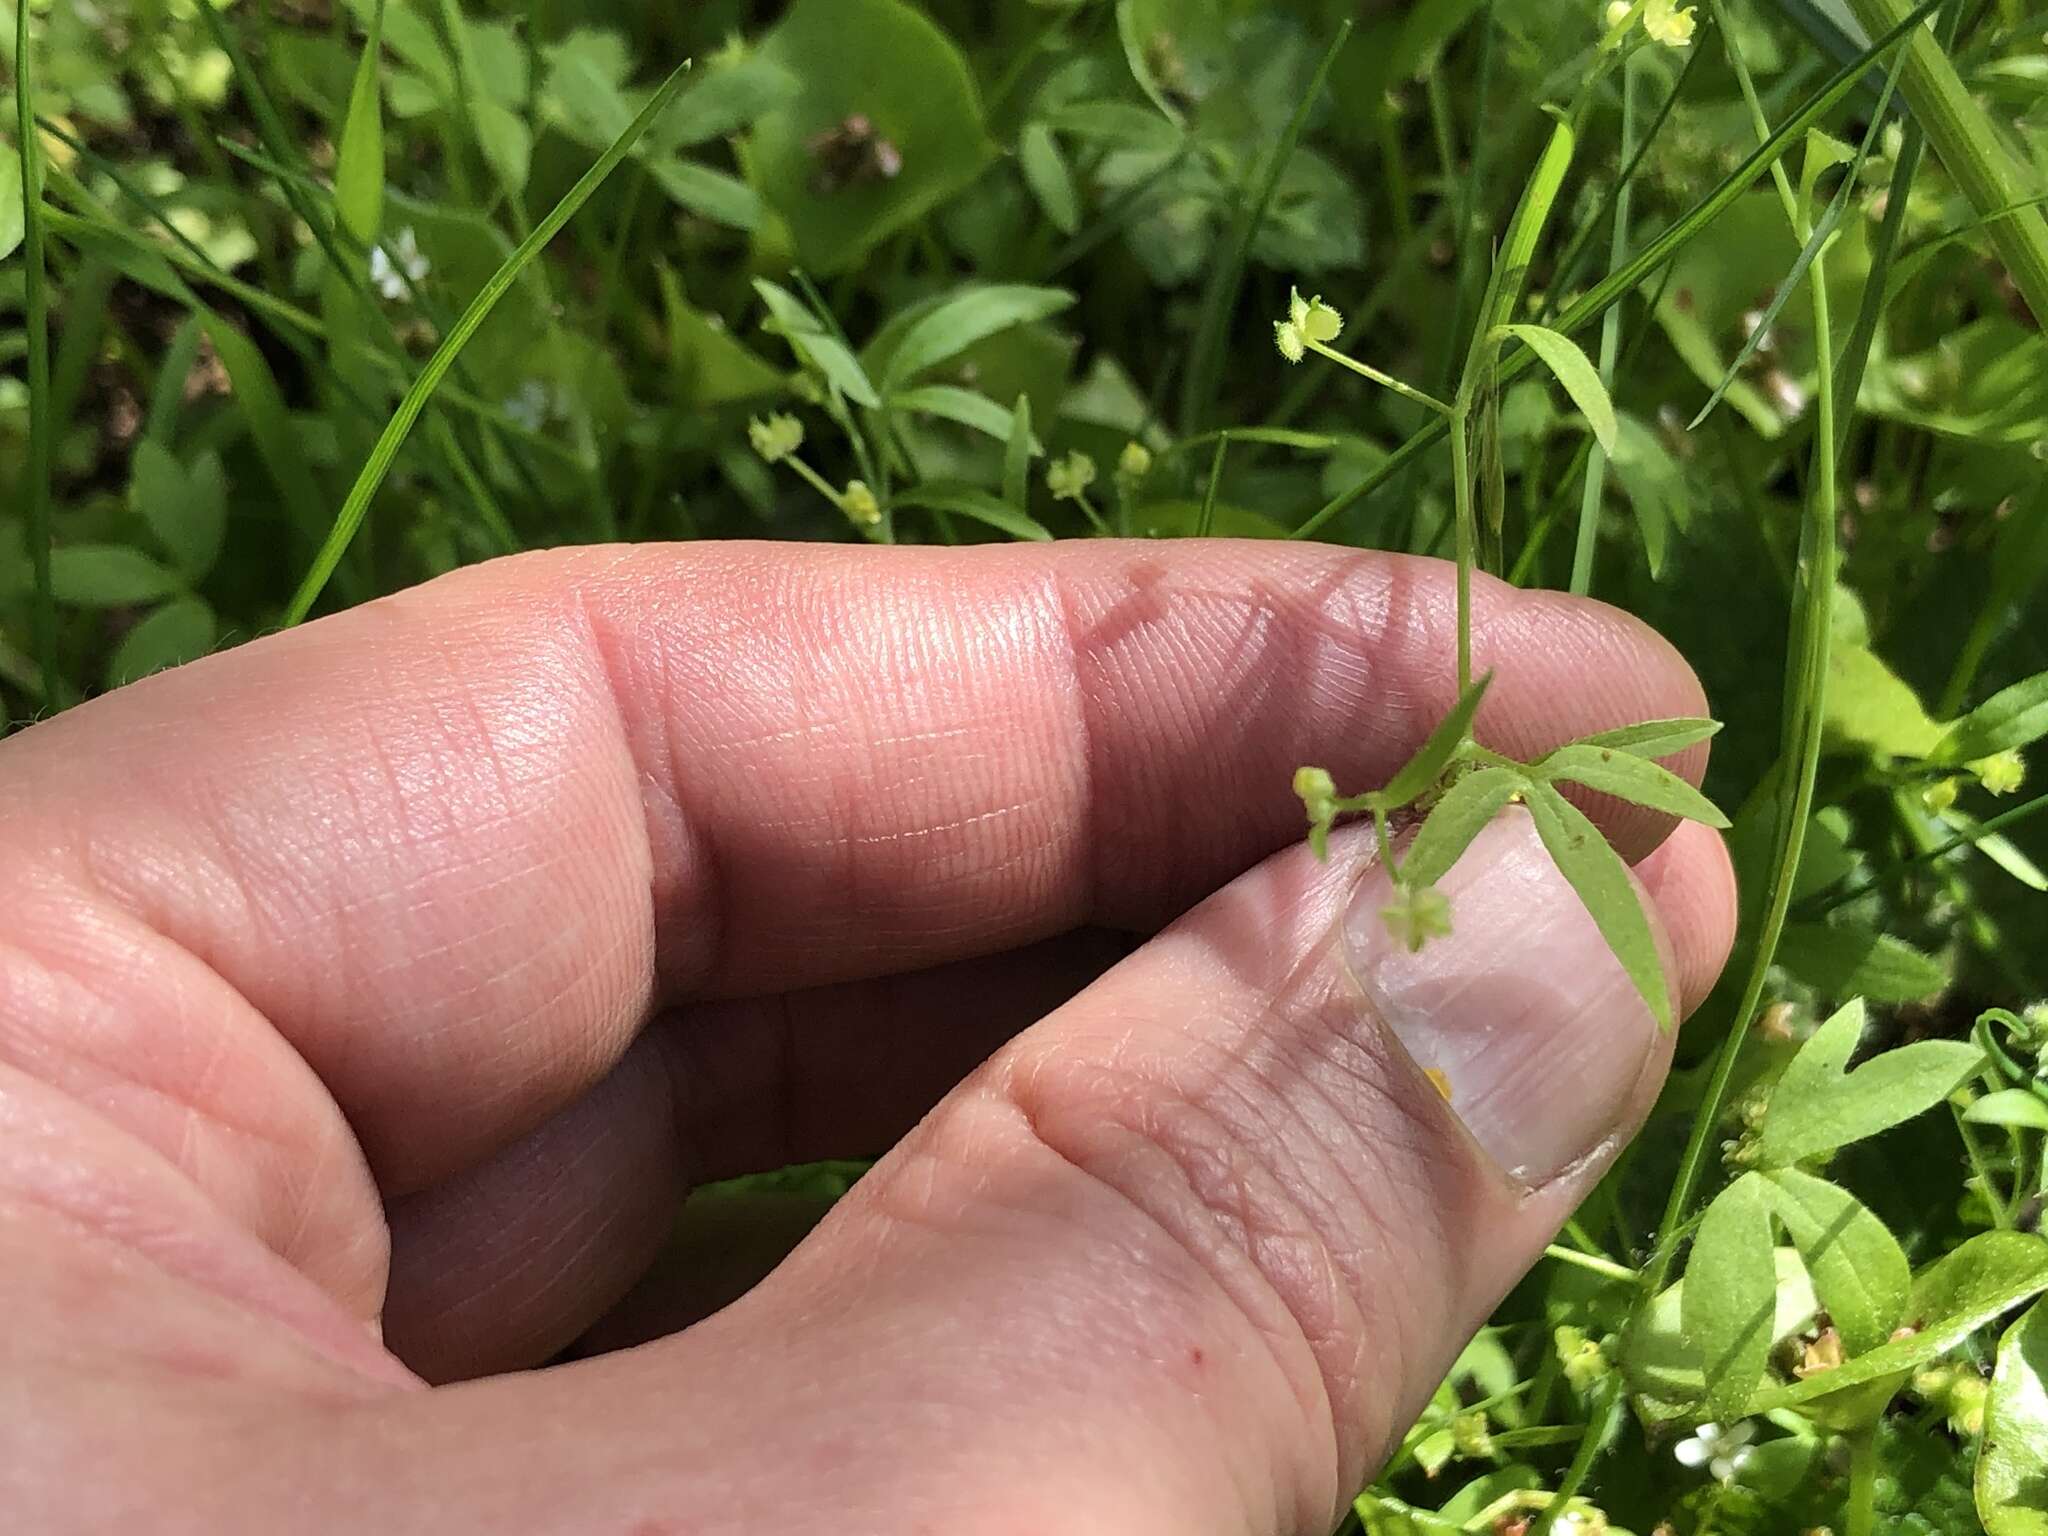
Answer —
(1135, 462)
(2002, 772)
(1417, 914)
(1318, 792)
(776, 438)
(1308, 321)
(1669, 23)
(1069, 478)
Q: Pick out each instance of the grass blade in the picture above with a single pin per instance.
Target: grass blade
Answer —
(36, 318)
(415, 400)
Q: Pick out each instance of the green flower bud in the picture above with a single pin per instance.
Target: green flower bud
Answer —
(1939, 796)
(1416, 915)
(1135, 462)
(859, 504)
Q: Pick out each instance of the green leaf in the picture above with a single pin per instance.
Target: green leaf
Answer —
(1999, 849)
(1459, 816)
(109, 576)
(278, 443)
(1046, 174)
(1518, 247)
(967, 501)
(885, 61)
(1131, 33)
(1653, 738)
(1575, 371)
(182, 630)
(710, 365)
(971, 315)
(711, 194)
(359, 162)
(1631, 778)
(2012, 1466)
(815, 346)
(1422, 771)
(2009, 1106)
(1859, 1271)
(1846, 959)
(187, 511)
(1951, 1299)
(415, 399)
(1654, 484)
(506, 142)
(1663, 1365)
(2011, 718)
(1730, 1299)
(1017, 457)
(951, 403)
(725, 100)
(1817, 1106)
(12, 223)
(1602, 881)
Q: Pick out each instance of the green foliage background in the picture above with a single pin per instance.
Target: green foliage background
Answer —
(964, 240)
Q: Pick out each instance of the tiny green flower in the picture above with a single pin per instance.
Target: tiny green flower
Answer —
(1670, 23)
(1287, 336)
(1941, 794)
(1135, 462)
(2002, 772)
(1584, 1362)
(776, 438)
(1471, 1434)
(1318, 792)
(859, 504)
(1416, 915)
(1069, 478)
(1316, 320)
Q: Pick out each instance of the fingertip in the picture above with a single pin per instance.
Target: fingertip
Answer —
(1692, 882)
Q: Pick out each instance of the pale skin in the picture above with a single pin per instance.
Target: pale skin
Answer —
(371, 994)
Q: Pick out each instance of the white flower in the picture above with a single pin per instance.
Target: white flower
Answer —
(396, 267)
(532, 405)
(1721, 1450)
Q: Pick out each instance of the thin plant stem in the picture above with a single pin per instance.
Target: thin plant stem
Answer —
(1384, 380)
(1461, 493)
(1590, 1262)
(1862, 1510)
(36, 318)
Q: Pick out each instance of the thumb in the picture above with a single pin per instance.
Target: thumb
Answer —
(1185, 1256)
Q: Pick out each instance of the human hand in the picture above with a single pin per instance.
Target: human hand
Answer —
(325, 988)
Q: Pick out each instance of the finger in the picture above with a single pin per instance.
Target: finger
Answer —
(444, 842)
(501, 1266)
(1182, 1259)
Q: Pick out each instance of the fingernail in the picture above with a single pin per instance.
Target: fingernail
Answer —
(1522, 1020)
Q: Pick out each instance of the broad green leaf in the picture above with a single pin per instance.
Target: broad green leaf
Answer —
(359, 162)
(949, 402)
(1631, 778)
(1859, 1271)
(1421, 772)
(711, 194)
(182, 630)
(415, 399)
(725, 100)
(1951, 1299)
(1046, 174)
(710, 365)
(1846, 959)
(506, 142)
(1653, 738)
(968, 316)
(1597, 873)
(109, 576)
(1818, 1106)
(1662, 1364)
(278, 443)
(2009, 1106)
(1131, 31)
(1017, 457)
(187, 510)
(1730, 1304)
(1118, 124)
(1458, 817)
(1871, 706)
(1575, 371)
(966, 501)
(2013, 717)
(885, 61)
(2012, 1466)
(815, 346)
